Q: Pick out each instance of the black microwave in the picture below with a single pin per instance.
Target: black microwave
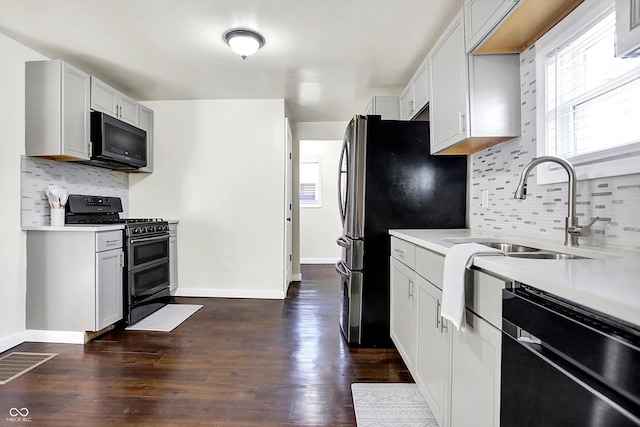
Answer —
(116, 144)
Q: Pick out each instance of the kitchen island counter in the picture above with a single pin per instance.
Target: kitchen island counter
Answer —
(608, 280)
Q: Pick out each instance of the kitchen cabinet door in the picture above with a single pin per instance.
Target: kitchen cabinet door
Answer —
(415, 96)
(109, 297)
(173, 257)
(420, 83)
(475, 374)
(406, 102)
(432, 362)
(481, 17)
(108, 100)
(628, 28)
(146, 124)
(386, 106)
(449, 107)
(57, 112)
(403, 308)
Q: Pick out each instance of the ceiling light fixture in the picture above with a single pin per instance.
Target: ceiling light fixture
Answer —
(243, 42)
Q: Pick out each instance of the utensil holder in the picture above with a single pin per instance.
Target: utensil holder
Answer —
(57, 217)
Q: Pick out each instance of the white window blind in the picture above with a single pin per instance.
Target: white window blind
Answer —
(591, 98)
(310, 181)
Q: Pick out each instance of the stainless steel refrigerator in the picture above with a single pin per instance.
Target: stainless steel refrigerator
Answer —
(387, 180)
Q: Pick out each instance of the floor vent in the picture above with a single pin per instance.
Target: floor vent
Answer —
(15, 364)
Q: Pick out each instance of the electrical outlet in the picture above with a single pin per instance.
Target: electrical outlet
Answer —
(484, 199)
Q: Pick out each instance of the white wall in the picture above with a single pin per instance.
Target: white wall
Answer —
(308, 131)
(219, 169)
(320, 226)
(13, 239)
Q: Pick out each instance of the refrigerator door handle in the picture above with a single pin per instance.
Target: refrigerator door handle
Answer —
(341, 269)
(342, 242)
(343, 169)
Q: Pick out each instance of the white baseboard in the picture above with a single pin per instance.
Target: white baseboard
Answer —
(60, 337)
(229, 293)
(296, 277)
(11, 341)
(319, 260)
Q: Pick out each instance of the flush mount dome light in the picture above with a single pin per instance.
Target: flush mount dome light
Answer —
(243, 42)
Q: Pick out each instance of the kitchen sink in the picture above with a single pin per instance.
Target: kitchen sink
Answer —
(544, 255)
(522, 251)
(525, 251)
(510, 247)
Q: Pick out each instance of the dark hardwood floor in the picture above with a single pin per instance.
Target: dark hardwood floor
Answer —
(236, 362)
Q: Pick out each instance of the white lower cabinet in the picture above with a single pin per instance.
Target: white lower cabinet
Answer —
(109, 302)
(432, 367)
(173, 257)
(403, 311)
(475, 374)
(74, 280)
(457, 371)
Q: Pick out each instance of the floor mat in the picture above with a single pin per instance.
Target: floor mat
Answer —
(17, 363)
(166, 319)
(390, 405)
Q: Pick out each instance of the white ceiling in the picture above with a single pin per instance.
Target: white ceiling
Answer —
(326, 58)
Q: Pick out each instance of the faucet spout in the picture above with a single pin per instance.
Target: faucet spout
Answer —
(570, 239)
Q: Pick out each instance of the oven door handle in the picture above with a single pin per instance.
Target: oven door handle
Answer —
(164, 236)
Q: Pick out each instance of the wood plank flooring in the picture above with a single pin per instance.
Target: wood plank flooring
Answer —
(236, 362)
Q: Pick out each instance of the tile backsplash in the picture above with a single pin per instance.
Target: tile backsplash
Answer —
(616, 200)
(37, 174)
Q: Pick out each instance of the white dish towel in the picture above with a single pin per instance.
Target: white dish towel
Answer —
(458, 259)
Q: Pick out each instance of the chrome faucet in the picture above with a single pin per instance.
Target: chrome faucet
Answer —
(571, 227)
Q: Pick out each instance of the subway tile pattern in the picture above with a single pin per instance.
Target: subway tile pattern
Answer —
(616, 200)
(37, 174)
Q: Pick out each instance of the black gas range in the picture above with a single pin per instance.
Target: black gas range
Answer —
(146, 247)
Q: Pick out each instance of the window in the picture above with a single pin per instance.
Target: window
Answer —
(311, 181)
(588, 100)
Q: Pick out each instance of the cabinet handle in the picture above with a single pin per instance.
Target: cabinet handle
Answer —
(399, 252)
(462, 122)
(410, 288)
(111, 242)
(121, 259)
(443, 327)
(439, 320)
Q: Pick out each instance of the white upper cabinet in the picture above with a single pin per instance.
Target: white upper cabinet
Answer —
(475, 100)
(628, 28)
(481, 17)
(57, 114)
(449, 107)
(146, 124)
(415, 97)
(106, 99)
(386, 106)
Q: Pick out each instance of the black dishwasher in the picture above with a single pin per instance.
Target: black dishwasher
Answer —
(566, 365)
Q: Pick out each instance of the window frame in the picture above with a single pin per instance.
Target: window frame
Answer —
(605, 163)
(317, 201)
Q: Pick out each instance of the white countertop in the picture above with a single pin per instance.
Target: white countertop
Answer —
(82, 227)
(75, 227)
(609, 283)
